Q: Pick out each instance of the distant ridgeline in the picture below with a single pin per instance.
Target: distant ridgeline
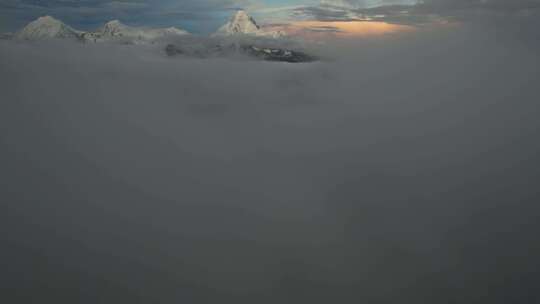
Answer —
(50, 28)
(240, 35)
(231, 48)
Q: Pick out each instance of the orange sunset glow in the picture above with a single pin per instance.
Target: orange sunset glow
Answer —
(345, 29)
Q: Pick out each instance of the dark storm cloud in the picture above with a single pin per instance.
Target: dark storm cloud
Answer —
(404, 170)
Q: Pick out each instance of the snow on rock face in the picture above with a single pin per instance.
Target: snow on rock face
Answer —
(240, 23)
(227, 49)
(111, 30)
(116, 30)
(163, 32)
(243, 24)
(45, 28)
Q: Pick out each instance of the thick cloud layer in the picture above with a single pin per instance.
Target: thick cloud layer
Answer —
(401, 170)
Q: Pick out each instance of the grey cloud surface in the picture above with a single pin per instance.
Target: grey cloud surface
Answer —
(403, 171)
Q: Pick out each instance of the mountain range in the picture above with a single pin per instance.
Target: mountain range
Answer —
(47, 27)
(115, 30)
(241, 35)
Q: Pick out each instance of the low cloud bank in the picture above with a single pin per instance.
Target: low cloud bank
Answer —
(402, 169)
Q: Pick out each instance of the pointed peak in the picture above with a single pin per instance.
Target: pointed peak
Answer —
(47, 19)
(173, 29)
(241, 13)
(240, 23)
(113, 27)
(243, 24)
(46, 27)
(242, 16)
(114, 23)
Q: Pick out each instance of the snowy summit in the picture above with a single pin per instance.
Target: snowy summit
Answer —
(117, 30)
(240, 23)
(45, 28)
(243, 24)
(48, 27)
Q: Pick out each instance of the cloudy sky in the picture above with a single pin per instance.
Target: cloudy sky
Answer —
(203, 16)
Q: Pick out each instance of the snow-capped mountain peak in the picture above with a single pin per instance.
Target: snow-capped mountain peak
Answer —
(46, 27)
(240, 23)
(113, 23)
(113, 28)
(116, 30)
(47, 19)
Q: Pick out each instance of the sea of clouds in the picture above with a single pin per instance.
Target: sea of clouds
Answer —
(398, 169)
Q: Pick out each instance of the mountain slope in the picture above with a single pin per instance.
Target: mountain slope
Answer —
(235, 49)
(115, 30)
(45, 28)
(48, 27)
(240, 23)
(243, 24)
